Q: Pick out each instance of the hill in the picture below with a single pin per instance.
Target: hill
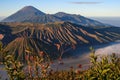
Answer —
(62, 35)
(23, 46)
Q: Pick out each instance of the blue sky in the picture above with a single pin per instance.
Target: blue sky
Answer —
(110, 8)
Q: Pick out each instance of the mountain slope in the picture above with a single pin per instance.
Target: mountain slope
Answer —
(25, 13)
(56, 38)
(64, 32)
(78, 19)
(31, 14)
(22, 46)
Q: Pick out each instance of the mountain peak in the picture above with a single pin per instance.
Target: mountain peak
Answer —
(60, 14)
(31, 9)
(26, 13)
(28, 7)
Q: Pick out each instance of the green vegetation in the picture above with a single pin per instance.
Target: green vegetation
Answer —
(14, 68)
(104, 68)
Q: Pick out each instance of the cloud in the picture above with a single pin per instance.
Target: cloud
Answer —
(86, 2)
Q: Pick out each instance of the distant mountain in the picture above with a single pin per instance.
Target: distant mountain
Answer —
(31, 14)
(25, 13)
(78, 19)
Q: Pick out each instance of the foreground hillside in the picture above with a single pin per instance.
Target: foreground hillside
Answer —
(59, 37)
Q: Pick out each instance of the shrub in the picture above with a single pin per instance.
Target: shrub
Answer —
(105, 68)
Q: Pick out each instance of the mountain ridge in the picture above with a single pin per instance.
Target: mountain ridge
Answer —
(31, 14)
(58, 37)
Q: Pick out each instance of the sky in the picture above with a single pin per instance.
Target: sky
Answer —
(107, 8)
